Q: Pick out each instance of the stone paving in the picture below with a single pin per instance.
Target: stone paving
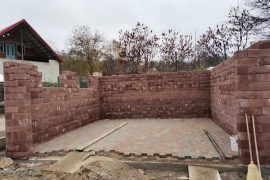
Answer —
(177, 137)
(78, 137)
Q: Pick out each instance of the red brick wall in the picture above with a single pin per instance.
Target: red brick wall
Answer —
(224, 106)
(242, 85)
(58, 110)
(166, 95)
(35, 114)
(253, 73)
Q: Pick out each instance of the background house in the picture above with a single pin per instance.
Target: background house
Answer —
(21, 42)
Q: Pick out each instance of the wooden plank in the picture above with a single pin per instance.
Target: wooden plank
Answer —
(70, 163)
(199, 173)
(101, 137)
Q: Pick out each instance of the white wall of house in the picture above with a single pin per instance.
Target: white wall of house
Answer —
(50, 70)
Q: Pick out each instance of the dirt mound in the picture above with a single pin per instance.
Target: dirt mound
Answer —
(95, 167)
(107, 168)
(5, 162)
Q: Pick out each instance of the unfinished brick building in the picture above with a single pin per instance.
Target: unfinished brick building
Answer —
(239, 85)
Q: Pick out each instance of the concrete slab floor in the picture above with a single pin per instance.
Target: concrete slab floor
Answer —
(178, 137)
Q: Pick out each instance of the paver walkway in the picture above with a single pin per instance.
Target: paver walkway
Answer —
(179, 137)
(74, 139)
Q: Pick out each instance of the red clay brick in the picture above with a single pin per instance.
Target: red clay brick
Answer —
(248, 62)
(266, 128)
(11, 83)
(265, 61)
(266, 110)
(258, 52)
(249, 94)
(259, 69)
(265, 77)
(12, 109)
(242, 70)
(267, 144)
(259, 86)
(19, 76)
(266, 94)
(240, 54)
(263, 136)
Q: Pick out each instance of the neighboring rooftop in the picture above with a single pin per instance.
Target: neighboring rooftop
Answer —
(28, 43)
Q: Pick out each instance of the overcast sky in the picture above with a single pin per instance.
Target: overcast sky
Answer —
(54, 19)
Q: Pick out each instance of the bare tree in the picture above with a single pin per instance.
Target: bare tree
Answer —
(241, 24)
(110, 60)
(137, 45)
(86, 45)
(216, 43)
(109, 66)
(176, 49)
(150, 50)
(261, 13)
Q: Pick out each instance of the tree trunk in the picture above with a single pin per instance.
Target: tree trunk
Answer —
(146, 66)
(225, 52)
(90, 64)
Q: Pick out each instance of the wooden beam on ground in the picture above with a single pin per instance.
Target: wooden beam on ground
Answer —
(70, 163)
(199, 173)
(101, 137)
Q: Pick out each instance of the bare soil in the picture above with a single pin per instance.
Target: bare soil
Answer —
(103, 168)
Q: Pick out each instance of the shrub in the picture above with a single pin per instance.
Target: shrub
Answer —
(50, 84)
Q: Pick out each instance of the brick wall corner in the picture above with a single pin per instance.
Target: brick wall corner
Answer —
(20, 79)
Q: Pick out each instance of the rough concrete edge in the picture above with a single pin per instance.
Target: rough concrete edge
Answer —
(184, 166)
(2, 143)
(170, 166)
(132, 154)
(163, 155)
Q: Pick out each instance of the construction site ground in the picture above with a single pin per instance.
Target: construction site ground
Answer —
(115, 166)
(131, 149)
(179, 138)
